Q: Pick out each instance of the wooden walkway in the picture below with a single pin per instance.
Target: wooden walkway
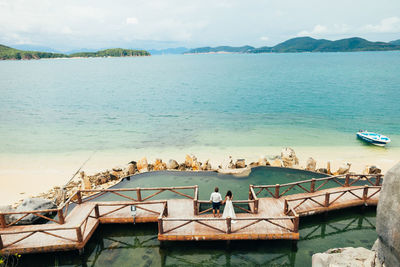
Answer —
(274, 216)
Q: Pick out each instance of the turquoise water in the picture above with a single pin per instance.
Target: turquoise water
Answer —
(137, 245)
(203, 100)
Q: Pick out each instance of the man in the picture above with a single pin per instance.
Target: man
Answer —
(216, 199)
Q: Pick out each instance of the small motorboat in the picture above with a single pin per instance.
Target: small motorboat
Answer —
(373, 138)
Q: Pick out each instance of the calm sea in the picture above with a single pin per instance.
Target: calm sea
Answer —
(309, 99)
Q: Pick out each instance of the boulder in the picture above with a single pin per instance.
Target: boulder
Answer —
(182, 167)
(32, 204)
(372, 169)
(311, 164)
(240, 163)
(85, 181)
(131, 168)
(196, 166)
(289, 157)
(159, 165)
(277, 162)
(254, 164)
(188, 161)
(351, 257)
(323, 170)
(142, 165)
(60, 196)
(388, 218)
(206, 166)
(343, 169)
(172, 164)
(262, 161)
(242, 172)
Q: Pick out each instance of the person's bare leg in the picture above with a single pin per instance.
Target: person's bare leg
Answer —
(214, 212)
(218, 212)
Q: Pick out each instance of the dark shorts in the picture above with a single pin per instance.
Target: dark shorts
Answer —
(216, 205)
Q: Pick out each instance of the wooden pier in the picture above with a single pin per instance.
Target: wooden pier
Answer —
(274, 215)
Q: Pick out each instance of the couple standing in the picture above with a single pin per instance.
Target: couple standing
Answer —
(216, 200)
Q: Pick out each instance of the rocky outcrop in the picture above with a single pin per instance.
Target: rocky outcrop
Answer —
(159, 165)
(206, 166)
(350, 257)
(311, 164)
(132, 167)
(343, 169)
(227, 164)
(142, 165)
(172, 164)
(240, 163)
(372, 169)
(388, 219)
(262, 161)
(32, 204)
(289, 157)
(277, 163)
(242, 172)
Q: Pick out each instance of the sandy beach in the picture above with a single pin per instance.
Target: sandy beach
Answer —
(27, 175)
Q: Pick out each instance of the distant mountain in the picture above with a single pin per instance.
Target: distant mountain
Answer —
(219, 49)
(396, 42)
(16, 54)
(308, 44)
(177, 50)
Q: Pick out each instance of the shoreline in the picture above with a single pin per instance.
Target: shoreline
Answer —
(27, 175)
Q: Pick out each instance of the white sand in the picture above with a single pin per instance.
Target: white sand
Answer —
(27, 175)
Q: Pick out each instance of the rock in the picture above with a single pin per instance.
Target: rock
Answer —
(343, 169)
(227, 164)
(372, 169)
(277, 163)
(131, 168)
(182, 167)
(351, 257)
(6, 208)
(322, 170)
(311, 164)
(188, 161)
(262, 161)
(159, 165)
(196, 166)
(85, 181)
(206, 166)
(172, 164)
(142, 165)
(288, 157)
(242, 172)
(60, 196)
(117, 169)
(388, 218)
(32, 204)
(253, 164)
(240, 163)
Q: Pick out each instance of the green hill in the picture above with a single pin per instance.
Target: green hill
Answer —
(308, 44)
(16, 54)
(395, 42)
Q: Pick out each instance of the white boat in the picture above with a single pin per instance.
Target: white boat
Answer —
(373, 138)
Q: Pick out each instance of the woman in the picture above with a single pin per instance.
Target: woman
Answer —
(229, 211)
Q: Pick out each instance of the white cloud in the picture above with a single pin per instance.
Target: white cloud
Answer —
(264, 38)
(322, 30)
(318, 29)
(387, 25)
(132, 20)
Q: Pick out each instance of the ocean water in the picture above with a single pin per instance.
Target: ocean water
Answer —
(233, 100)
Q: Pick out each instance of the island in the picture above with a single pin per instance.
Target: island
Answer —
(306, 44)
(9, 53)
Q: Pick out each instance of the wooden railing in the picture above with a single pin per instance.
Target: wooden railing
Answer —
(227, 226)
(317, 184)
(138, 204)
(329, 198)
(77, 198)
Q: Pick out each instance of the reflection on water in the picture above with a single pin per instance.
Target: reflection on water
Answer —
(137, 245)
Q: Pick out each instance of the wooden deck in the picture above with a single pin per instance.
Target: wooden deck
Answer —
(275, 217)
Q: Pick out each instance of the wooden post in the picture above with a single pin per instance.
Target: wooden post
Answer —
(326, 199)
(96, 211)
(312, 189)
(228, 225)
(139, 194)
(256, 206)
(1, 243)
(286, 207)
(166, 209)
(79, 196)
(3, 223)
(378, 179)
(296, 223)
(195, 210)
(250, 194)
(60, 216)
(79, 234)
(346, 181)
(277, 190)
(160, 226)
(365, 193)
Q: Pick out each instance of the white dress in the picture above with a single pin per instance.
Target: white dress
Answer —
(229, 211)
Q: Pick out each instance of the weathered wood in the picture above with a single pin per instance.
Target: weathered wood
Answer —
(138, 194)
(312, 187)
(228, 225)
(365, 193)
(60, 215)
(346, 182)
(160, 226)
(79, 234)
(285, 207)
(96, 211)
(1, 243)
(277, 191)
(79, 196)
(327, 199)
(3, 223)
(296, 223)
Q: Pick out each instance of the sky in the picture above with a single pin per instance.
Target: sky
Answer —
(158, 24)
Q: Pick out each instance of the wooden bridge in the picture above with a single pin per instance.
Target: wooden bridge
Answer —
(270, 212)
